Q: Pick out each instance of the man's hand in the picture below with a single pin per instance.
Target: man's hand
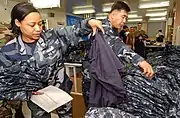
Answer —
(95, 24)
(147, 69)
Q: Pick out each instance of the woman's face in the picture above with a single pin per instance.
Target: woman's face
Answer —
(31, 26)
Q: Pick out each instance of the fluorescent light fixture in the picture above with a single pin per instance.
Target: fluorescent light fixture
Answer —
(134, 16)
(160, 9)
(84, 9)
(106, 9)
(145, 0)
(45, 3)
(101, 14)
(157, 19)
(101, 17)
(133, 12)
(134, 20)
(157, 14)
(154, 4)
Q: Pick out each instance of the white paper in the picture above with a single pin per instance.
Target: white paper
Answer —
(51, 98)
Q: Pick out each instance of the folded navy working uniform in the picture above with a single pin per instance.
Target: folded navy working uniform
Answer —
(18, 80)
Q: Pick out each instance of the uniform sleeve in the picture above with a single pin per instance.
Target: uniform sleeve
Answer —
(122, 50)
(73, 34)
(4, 62)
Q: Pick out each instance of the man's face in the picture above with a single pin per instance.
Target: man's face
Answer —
(131, 29)
(139, 26)
(119, 17)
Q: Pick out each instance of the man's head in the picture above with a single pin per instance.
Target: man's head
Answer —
(159, 30)
(118, 14)
(139, 26)
(125, 28)
(131, 29)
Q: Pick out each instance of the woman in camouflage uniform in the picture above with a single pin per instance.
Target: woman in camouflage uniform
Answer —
(42, 51)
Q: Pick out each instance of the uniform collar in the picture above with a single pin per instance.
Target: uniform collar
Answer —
(108, 27)
(21, 46)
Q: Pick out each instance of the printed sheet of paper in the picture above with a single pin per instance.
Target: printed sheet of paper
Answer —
(51, 98)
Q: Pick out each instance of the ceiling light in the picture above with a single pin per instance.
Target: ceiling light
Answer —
(133, 12)
(134, 16)
(145, 0)
(154, 4)
(46, 3)
(155, 19)
(84, 9)
(106, 9)
(101, 17)
(134, 20)
(157, 13)
(161, 9)
(101, 14)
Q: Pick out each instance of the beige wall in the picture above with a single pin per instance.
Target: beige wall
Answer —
(60, 13)
(5, 14)
(176, 27)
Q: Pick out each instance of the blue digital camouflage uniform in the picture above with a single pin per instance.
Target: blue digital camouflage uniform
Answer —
(32, 67)
(120, 49)
(107, 112)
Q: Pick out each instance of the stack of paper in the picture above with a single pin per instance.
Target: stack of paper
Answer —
(51, 98)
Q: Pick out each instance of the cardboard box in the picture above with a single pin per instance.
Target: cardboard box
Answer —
(78, 106)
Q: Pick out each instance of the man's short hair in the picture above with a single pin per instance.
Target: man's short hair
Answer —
(120, 5)
(139, 23)
(159, 30)
(125, 26)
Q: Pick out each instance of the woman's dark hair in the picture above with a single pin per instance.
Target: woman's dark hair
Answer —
(19, 12)
(120, 5)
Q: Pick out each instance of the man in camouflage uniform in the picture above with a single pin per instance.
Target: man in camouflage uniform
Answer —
(117, 17)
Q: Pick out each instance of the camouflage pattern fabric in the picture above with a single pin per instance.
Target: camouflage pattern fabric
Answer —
(6, 106)
(5, 110)
(5, 34)
(107, 113)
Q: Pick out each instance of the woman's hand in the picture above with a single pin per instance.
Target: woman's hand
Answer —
(95, 24)
(37, 93)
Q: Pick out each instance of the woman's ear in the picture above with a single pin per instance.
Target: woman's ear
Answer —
(17, 23)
